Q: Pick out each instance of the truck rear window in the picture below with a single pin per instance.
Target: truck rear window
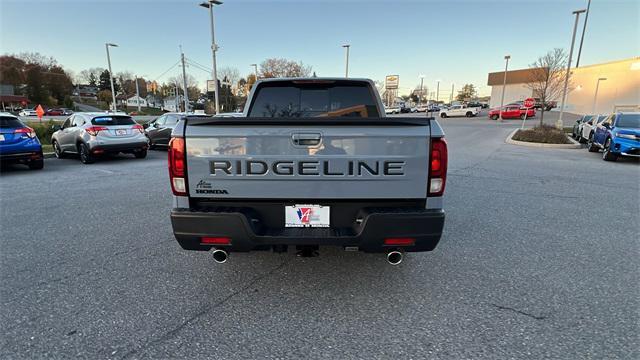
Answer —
(112, 120)
(10, 122)
(314, 100)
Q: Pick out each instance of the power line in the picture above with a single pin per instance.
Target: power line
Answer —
(164, 73)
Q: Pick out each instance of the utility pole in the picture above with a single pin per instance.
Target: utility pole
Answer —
(209, 4)
(346, 70)
(566, 77)
(137, 93)
(255, 68)
(177, 98)
(421, 89)
(437, 90)
(595, 97)
(584, 28)
(113, 90)
(184, 84)
(451, 97)
(504, 84)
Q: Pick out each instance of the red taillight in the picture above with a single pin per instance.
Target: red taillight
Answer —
(437, 167)
(215, 240)
(27, 131)
(93, 130)
(138, 127)
(400, 241)
(177, 166)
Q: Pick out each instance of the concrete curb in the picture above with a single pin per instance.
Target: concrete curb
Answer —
(49, 155)
(574, 144)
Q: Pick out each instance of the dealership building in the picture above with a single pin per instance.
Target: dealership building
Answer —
(619, 92)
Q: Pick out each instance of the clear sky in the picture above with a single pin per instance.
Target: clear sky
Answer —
(456, 41)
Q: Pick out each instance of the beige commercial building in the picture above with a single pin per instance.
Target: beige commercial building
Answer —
(619, 92)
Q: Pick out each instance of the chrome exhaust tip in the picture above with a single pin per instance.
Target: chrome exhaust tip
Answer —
(394, 257)
(220, 256)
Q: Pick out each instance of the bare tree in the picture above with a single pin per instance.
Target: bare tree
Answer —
(89, 76)
(546, 77)
(275, 68)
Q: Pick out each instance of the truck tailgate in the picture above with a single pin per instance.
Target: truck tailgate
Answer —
(305, 160)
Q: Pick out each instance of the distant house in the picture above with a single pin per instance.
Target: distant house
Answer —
(9, 100)
(169, 104)
(85, 91)
(136, 101)
(154, 101)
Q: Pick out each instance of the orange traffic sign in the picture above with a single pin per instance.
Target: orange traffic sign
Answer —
(39, 111)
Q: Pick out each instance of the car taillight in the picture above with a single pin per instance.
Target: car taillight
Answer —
(400, 241)
(437, 167)
(138, 127)
(93, 130)
(27, 131)
(177, 163)
(216, 240)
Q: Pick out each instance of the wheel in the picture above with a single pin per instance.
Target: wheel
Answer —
(494, 117)
(607, 154)
(85, 155)
(522, 117)
(57, 150)
(151, 144)
(443, 115)
(36, 164)
(140, 154)
(591, 146)
(469, 114)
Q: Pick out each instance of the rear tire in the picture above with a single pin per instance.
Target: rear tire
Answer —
(57, 150)
(591, 146)
(469, 114)
(607, 155)
(85, 154)
(36, 164)
(494, 117)
(522, 117)
(443, 115)
(140, 154)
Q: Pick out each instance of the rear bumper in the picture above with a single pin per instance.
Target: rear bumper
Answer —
(425, 226)
(133, 146)
(21, 156)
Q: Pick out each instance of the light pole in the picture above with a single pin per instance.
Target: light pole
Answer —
(137, 93)
(595, 96)
(255, 68)
(421, 84)
(437, 90)
(209, 5)
(451, 97)
(566, 77)
(113, 91)
(504, 83)
(346, 70)
(584, 28)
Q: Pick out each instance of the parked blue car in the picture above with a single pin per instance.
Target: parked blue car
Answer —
(19, 143)
(617, 135)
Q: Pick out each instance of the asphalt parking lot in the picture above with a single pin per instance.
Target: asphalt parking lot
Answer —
(539, 259)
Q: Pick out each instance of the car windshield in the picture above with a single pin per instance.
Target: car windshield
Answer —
(112, 120)
(313, 100)
(629, 121)
(10, 122)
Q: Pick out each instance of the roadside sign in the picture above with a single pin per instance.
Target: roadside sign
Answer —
(211, 86)
(391, 82)
(529, 103)
(39, 112)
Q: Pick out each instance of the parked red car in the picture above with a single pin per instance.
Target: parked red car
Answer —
(511, 112)
(54, 112)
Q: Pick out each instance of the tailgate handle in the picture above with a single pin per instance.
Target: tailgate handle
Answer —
(306, 139)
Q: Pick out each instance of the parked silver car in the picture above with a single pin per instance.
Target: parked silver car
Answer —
(94, 134)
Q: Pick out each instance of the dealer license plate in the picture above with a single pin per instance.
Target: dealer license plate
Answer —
(306, 216)
(121, 132)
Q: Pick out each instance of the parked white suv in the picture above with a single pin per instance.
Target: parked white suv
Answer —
(459, 110)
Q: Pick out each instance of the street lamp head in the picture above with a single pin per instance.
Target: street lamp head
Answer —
(602, 79)
(112, 45)
(210, 3)
(580, 11)
(507, 57)
(346, 45)
(421, 76)
(253, 64)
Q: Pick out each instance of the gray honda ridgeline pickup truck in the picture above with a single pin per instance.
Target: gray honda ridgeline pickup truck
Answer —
(312, 161)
